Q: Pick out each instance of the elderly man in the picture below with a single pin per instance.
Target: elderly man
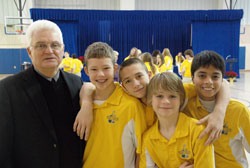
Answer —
(38, 107)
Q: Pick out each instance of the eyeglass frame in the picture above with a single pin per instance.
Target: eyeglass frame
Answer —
(42, 48)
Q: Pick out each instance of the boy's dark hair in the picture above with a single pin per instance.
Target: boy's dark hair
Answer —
(189, 52)
(99, 50)
(73, 55)
(207, 58)
(132, 61)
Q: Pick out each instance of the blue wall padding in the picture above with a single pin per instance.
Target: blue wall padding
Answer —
(11, 60)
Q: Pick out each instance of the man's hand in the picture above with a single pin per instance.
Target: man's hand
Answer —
(214, 127)
(83, 121)
(187, 165)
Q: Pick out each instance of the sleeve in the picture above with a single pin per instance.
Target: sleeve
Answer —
(190, 90)
(245, 127)
(145, 159)
(140, 125)
(203, 155)
(6, 128)
(182, 68)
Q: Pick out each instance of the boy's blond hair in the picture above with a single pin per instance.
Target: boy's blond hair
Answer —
(166, 81)
(99, 50)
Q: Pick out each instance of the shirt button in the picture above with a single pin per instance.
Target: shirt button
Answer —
(54, 145)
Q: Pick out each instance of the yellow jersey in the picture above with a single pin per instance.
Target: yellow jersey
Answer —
(186, 66)
(229, 148)
(76, 65)
(116, 132)
(168, 63)
(183, 146)
(68, 62)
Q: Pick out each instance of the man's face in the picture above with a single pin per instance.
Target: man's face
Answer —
(46, 58)
(207, 81)
(135, 80)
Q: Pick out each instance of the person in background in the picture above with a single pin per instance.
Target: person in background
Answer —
(148, 61)
(38, 107)
(161, 63)
(132, 54)
(168, 59)
(154, 55)
(173, 139)
(76, 66)
(67, 62)
(208, 69)
(116, 77)
(185, 68)
(179, 58)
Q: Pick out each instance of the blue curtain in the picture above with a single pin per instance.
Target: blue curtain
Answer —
(146, 30)
(222, 37)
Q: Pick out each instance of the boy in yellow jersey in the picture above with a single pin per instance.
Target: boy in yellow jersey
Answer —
(186, 66)
(119, 119)
(173, 139)
(135, 79)
(76, 66)
(66, 62)
(207, 70)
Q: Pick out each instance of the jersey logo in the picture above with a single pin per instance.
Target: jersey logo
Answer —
(226, 129)
(112, 118)
(184, 152)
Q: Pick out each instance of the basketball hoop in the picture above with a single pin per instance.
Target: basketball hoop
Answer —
(19, 32)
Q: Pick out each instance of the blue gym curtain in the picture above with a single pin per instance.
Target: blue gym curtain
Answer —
(147, 30)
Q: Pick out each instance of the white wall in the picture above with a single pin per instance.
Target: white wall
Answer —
(8, 8)
(127, 4)
(176, 4)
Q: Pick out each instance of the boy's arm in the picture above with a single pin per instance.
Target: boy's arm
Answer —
(215, 119)
(84, 117)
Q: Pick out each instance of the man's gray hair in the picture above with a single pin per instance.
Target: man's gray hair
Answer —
(42, 25)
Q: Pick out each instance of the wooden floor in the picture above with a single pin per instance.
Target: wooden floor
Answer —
(240, 90)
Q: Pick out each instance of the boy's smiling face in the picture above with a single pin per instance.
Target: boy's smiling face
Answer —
(101, 72)
(135, 80)
(207, 81)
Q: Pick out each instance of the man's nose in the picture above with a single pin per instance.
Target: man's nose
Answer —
(48, 49)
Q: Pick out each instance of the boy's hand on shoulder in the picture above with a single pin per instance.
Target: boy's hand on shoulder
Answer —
(187, 165)
(83, 121)
(214, 127)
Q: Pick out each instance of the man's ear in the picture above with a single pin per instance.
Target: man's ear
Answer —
(86, 71)
(150, 74)
(29, 52)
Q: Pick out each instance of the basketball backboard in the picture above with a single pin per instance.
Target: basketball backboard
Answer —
(16, 25)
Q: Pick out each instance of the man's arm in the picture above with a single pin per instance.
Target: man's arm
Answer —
(84, 117)
(6, 128)
(215, 119)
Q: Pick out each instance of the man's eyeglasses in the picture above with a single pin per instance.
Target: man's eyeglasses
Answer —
(44, 46)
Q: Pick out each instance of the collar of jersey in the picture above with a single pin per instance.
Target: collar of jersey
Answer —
(114, 98)
(180, 131)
